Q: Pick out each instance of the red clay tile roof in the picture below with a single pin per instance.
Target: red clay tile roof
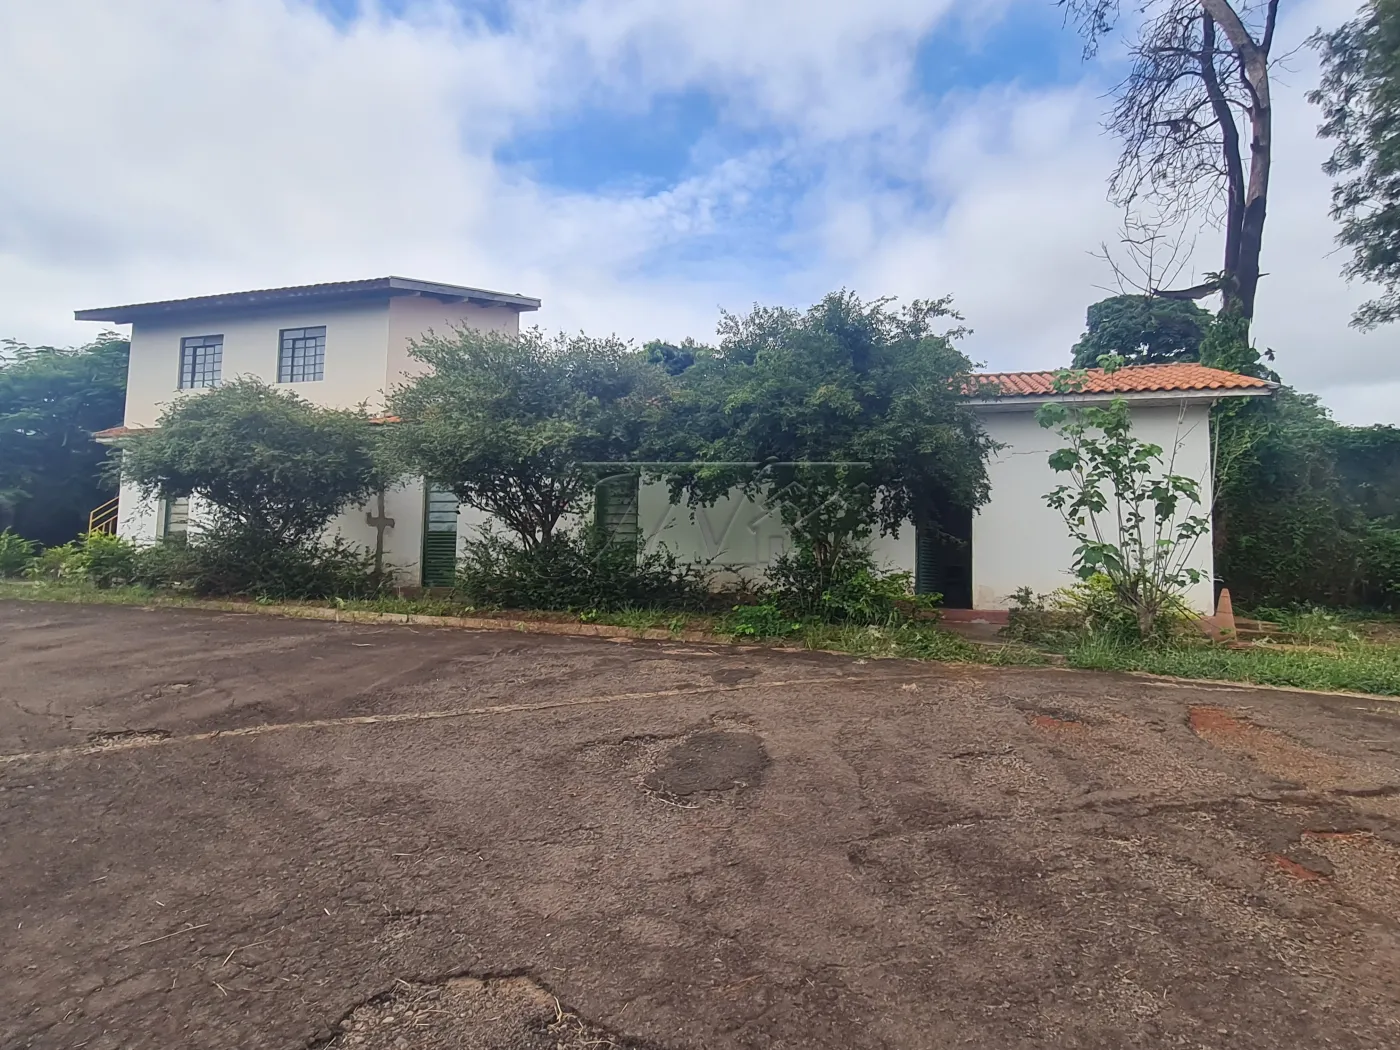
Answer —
(1135, 379)
(119, 432)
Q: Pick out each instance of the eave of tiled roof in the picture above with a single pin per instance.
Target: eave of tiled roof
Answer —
(1181, 378)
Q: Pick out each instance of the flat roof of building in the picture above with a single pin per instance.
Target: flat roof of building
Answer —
(333, 291)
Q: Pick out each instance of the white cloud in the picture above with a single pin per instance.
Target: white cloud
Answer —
(179, 147)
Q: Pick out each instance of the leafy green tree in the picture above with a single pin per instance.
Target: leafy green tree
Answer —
(1143, 330)
(1360, 96)
(1135, 521)
(675, 359)
(51, 402)
(275, 469)
(844, 418)
(519, 426)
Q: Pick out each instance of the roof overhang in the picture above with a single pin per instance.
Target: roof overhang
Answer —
(375, 288)
(1138, 398)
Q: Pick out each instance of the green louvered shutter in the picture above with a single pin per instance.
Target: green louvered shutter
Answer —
(926, 561)
(440, 538)
(615, 507)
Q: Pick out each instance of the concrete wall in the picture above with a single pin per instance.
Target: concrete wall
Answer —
(1017, 541)
(357, 341)
(366, 355)
(413, 316)
(739, 536)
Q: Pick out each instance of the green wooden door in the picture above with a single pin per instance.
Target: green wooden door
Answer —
(440, 538)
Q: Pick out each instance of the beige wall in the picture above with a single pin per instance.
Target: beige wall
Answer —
(1018, 541)
(412, 316)
(357, 339)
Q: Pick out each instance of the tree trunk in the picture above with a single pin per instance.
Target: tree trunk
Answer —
(1245, 229)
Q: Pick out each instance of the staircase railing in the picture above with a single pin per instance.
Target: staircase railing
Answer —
(104, 518)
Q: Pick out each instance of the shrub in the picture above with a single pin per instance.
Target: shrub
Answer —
(107, 560)
(852, 591)
(170, 564)
(238, 563)
(1032, 619)
(16, 554)
(574, 571)
(1091, 608)
(1380, 566)
(58, 563)
(764, 620)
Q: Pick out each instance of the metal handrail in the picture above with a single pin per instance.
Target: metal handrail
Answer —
(104, 518)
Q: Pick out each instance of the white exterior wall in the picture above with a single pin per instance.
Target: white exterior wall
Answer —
(357, 344)
(1017, 541)
(738, 536)
(366, 355)
(413, 316)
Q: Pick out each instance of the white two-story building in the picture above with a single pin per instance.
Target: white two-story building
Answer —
(346, 344)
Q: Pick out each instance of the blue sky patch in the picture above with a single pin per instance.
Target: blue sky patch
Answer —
(599, 148)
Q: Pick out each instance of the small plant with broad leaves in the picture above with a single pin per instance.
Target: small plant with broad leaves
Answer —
(16, 553)
(1135, 520)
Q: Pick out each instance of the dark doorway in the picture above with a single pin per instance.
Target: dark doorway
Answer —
(943, 558)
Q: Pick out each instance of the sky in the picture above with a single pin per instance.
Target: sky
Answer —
(639, 165)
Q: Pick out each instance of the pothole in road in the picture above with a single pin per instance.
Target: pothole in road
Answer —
(709, 762)
(471, 1013)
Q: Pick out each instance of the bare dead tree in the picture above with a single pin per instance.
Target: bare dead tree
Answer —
(1199, 73)
(1151, 254)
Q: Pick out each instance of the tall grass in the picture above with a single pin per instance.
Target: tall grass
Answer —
(1354, 667)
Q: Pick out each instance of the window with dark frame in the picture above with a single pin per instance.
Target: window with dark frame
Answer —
(302, 356)
(201, 361)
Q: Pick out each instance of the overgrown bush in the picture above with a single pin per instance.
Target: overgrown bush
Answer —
(107, 560)
(575, 571)
(171, 564)
(1038, 618)
(63, 562)
(98, 558)
(764, 620)
(853, 590)
(16, 553)
(1091, 608)
(1380, 566)
(235, 563)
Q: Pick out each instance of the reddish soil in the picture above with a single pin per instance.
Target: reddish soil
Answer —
(223, 830)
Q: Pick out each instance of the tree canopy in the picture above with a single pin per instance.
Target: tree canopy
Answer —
(518, 426)
(1199, 72)
(271, 464)
(845, 417)
(51, 402)
(1360, 96)
(1143, 330)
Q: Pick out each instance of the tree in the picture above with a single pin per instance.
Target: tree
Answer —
(1200, 70)
(1129, 512)
(1360, 96)
(845, 418)
(1142, 329)
(275, 468)
(519, 426)
(51, 402)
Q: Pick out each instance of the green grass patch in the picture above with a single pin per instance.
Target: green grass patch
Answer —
(63, 591)
(912, 642)
(1353, 667)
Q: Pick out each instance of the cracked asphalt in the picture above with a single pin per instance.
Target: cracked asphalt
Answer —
(225, 830)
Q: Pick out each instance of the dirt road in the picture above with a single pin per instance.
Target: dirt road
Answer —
(237, 831)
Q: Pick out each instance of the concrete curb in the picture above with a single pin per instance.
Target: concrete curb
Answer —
(472, 623)
(656, 634)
